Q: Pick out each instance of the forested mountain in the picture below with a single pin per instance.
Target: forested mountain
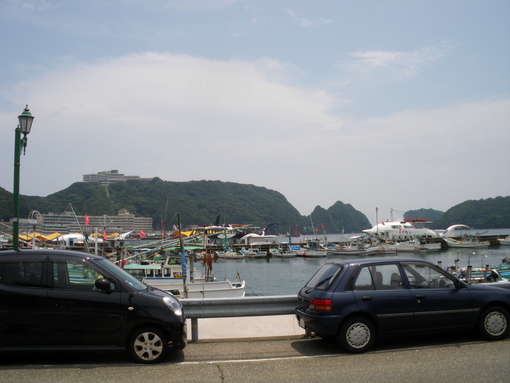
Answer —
(337, 219)
(490, 213)
(199, 203)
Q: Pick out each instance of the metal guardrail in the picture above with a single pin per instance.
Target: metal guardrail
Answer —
(236, 307)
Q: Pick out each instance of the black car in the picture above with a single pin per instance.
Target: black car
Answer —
(53, 299)
(357, 300)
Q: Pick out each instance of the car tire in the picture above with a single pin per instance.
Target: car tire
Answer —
(357, 335)
(148, 345)
(493, 323)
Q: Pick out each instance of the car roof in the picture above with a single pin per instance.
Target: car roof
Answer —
(366, 261)
(66, 253)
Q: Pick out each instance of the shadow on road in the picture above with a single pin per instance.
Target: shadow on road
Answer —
(317, 346)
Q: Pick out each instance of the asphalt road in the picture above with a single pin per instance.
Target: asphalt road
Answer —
(438, 358)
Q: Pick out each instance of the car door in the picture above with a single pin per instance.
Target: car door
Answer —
(437, 300)
(78, 313)
(23, 298)
(379, 291)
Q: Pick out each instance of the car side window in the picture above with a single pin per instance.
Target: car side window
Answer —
(26, 273)
(426, 277)
(381, 277)
(364, 280)
(75, 275)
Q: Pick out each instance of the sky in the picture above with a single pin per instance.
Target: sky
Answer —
(388, 105)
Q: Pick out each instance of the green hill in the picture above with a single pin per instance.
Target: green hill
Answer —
(200, 202)
(490, 213)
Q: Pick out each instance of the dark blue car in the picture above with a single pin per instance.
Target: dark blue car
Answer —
(357, 300)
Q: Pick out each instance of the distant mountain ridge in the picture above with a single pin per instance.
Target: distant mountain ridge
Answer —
(199, 203)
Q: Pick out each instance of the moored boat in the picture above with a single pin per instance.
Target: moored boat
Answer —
(466, 242)
(170, 277)
(351, 249)
(400, 230)
(415, 245)
(312, 249)
(230, 254)
(504, 241)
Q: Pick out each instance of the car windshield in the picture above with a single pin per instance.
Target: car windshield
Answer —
(121, 274)
(323, 278)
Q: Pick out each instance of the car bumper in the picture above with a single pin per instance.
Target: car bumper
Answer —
(178, 335)
(323, 326)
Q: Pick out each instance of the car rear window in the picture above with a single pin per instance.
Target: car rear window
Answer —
(324, 277)
(24, 273)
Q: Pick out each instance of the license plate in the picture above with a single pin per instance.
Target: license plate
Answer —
(302, 322)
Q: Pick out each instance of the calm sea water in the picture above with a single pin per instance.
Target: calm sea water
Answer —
(285, 276)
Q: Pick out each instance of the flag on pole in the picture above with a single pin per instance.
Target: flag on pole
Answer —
(87, 220)
(142, 234)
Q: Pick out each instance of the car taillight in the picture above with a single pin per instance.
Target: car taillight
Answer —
(320, 304)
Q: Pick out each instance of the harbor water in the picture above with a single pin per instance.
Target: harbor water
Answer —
(285, 276)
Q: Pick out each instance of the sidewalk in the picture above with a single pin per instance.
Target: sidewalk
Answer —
(247, 327)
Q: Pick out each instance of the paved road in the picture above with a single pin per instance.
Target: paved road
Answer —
(453, 358)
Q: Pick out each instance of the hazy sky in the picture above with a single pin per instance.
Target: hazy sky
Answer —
(390, 104)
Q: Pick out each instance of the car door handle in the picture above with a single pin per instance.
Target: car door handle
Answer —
(420, 296)
(366, 298)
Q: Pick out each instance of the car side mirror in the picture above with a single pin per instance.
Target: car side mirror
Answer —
(103, 284)
(459, 284)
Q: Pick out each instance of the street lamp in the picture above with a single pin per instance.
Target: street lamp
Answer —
(25, 124)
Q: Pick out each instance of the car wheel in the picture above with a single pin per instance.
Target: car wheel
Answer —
(493, 324)
(357, 335)
(148, 345)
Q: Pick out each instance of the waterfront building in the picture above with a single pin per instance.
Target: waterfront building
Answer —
(69, 223)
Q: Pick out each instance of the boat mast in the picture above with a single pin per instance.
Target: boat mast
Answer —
(377, 221)
(183, 257)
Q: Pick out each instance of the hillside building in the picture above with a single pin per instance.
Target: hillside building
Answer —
(106, 177)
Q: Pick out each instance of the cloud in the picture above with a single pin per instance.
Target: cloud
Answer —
(306, 22)
(182, 118)
(30, 5)
(397, 64)
(196, 5)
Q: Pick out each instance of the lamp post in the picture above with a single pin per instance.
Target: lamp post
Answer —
(25, 124)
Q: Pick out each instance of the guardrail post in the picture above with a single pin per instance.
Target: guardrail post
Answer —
(194, 329)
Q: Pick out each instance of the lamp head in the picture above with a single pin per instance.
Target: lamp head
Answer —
(25, 121)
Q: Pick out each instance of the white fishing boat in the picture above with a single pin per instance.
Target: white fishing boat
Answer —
(169, 277)
(416, 245)
(281, 253)
(312, 249)
(504, 241)
(353, 246)
(384, 248)
(252, 253)
(467, 241)
(230, 254)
